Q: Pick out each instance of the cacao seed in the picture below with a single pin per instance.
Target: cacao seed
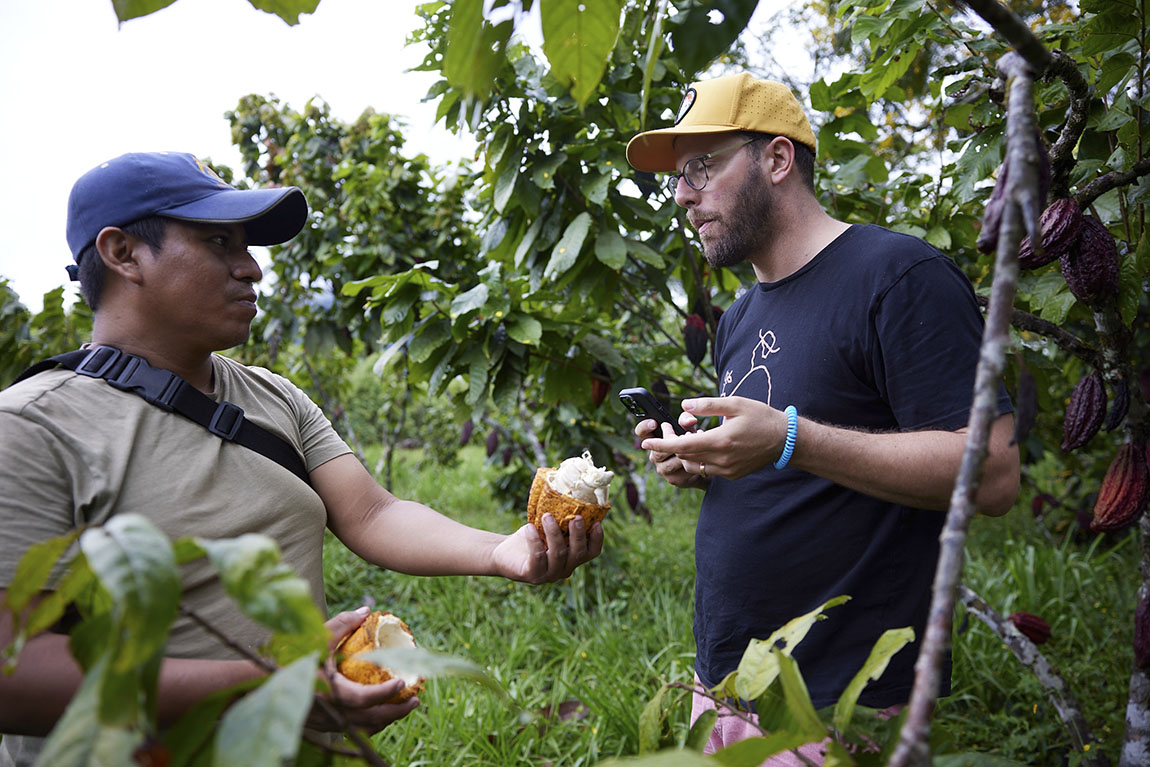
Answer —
(1142, 634)
(1090, 266)
(1085, 412)
(1122, 496)
(1035, 629)
(695, 339)
(1060, 223)
(1119, 405)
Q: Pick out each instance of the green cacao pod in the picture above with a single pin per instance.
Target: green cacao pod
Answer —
(1085, 412)
(1091, 265)
(1122, 496)
(1060, 223)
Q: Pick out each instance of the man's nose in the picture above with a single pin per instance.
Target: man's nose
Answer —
(246, 268)
(685, 195)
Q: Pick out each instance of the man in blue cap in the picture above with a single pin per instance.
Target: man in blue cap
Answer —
(150, 420)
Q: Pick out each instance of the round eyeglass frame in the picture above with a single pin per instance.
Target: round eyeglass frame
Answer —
(698, 165)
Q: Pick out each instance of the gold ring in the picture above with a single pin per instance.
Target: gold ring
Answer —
(703, 470)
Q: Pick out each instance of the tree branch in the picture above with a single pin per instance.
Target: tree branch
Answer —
(1059, 335)
(913, 747)
(1111, 180)
(1028, 655)
(1062, 153)
(1014, 30)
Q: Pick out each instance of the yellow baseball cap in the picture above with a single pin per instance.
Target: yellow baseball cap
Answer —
(725, 104)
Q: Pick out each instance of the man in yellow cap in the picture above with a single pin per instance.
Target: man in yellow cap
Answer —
(845, 380)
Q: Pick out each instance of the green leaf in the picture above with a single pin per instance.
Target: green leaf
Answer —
(565, 252)
(974, 760)
(471, 301)
(577, 39)
(133, 561)
(799, 699)
(697, 40)
(264, 587)
(429, 338)
(524, 328)
(602, 350)
(595, 190)
(79, 739)
(133, 9)
(288, 10)
(645, 253)
(504, 186)
(263, 729)
(428, 664)
(476, 375)
(33, 570)
(651, 722)
(701, 730)
(543, 170)
(195, 729)
(891, 641)
(508, 384)
(611, 249)
(752, 752)
(939, 237)
(881, 76)
(527, 244)
(759, 666)
(475, 49)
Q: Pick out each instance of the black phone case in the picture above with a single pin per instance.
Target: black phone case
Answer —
(643, 404)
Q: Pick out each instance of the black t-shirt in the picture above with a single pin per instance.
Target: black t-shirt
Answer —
(880, 332)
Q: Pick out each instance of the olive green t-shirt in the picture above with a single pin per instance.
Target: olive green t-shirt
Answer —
(76, 450)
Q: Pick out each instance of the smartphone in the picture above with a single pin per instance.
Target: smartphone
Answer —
(643, 404)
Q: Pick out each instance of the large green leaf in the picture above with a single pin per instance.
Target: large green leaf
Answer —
(134, 562)
(891, 641)
(651, 722)
(577, 39)
(288, 10)
(132, 9)
(565, 252)
(33, 570)
(759, 666)
(799, 699)
(751, 752)
(265, 588)
(697, 39)
(263, 729)
(475, 49)
(429, 664)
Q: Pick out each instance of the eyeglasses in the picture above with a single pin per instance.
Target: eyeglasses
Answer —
(695, 169)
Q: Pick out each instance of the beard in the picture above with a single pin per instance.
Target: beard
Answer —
(748, 224)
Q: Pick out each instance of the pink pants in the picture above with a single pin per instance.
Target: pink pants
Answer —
(731, 729)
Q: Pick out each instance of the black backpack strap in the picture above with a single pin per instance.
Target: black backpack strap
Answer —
(169, 392)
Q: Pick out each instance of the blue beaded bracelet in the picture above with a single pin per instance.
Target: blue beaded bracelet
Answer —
(792, 431)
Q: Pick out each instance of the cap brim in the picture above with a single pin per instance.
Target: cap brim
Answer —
(269, 216)
(654, 150)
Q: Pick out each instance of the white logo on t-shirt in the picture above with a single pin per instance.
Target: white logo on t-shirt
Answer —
(763, 349)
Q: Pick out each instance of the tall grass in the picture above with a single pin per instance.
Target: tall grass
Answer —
(601, 643)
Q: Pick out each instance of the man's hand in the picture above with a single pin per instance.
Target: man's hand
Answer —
(361, 704)
(527, 556)
(750, 436)
(667, 464)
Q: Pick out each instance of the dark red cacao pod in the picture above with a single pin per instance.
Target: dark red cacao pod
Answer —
(1122, 496)
(1142, 634)
(1035, 629)
(1025, 405)
(1060, 223)
(1085, 412)
(507, 453)
(600, 383)
(1119, 405)
(992, 214)
(492, 442)
(632, 494)
(695, 339)
(466, 432)
(1091, 265)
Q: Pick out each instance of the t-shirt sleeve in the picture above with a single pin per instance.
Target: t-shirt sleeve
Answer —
(36, 492)
(320, 440)
(928, 333)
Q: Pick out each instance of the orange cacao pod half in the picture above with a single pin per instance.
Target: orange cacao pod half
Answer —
(1122, 497)
(1085, 412)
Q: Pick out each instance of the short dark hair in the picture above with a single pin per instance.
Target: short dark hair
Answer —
(804, 157)
(150, 229)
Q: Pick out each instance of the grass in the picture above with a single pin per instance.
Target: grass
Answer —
(619, 628)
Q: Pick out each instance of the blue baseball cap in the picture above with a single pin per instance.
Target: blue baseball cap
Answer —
(181, 186)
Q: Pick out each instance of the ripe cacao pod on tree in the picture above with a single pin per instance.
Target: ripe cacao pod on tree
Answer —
(466, 431)
(996, 205)
(600, 383)
(1060, 223)
(1035, 629)
(1122, 496)
(1091, 265)
(1119, 405)
(1085, 412)
(492, 442)
(695, 339)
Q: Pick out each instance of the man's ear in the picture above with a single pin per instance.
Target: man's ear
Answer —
(779, 159)
(120, 252)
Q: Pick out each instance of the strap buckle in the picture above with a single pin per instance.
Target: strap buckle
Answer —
(158, 387)
(227, 420)
(98, 362)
